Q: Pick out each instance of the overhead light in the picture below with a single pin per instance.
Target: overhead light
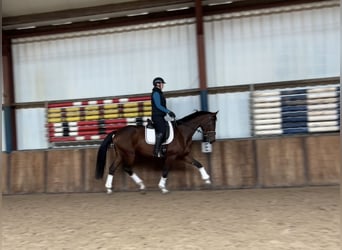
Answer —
(26, 28)
(181, 8)
(138, 14)
(220, 3)
(65, 23)
(98, 19)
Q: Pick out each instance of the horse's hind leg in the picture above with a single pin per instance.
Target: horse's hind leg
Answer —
(110, 176)
(135, 178)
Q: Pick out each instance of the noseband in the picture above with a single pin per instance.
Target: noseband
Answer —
(208, 133)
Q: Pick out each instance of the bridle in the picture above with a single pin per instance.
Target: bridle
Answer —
(206, 134)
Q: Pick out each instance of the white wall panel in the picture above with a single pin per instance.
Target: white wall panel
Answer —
(280, 44)
(111, 62)
(233, 118)
(31, 130)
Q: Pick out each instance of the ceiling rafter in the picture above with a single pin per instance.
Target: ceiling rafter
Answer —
(119, 14)
(110, 10)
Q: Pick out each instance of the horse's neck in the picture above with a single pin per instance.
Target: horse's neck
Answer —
(189, 128)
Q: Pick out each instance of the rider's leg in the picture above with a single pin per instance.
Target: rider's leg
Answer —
(157, 146)
(160, 129)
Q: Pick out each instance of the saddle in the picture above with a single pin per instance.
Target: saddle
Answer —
(150, 134)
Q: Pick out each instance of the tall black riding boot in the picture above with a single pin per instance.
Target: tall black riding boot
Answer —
(159, 139)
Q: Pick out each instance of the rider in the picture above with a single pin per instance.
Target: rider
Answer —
(159, 110)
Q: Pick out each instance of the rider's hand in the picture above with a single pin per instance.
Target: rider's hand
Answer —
(172, 115)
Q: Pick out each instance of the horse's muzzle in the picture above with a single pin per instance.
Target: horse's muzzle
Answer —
(212, 141)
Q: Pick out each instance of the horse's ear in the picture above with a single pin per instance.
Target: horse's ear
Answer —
(216, 112)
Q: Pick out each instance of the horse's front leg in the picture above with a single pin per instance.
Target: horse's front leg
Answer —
(163, 178)
(205, 176)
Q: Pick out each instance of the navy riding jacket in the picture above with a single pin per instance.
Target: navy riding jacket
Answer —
(159, 110)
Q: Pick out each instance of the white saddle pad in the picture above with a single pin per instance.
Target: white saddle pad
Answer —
(150, 135)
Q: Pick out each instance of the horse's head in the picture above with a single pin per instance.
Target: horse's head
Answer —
(203, 119)
(208, 125)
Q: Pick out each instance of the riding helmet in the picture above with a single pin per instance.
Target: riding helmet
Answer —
(158, 80)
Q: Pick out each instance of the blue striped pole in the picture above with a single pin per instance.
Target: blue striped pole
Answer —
(204, 100)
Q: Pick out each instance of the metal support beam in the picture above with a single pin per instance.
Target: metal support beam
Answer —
(201, 55)
(8, 95)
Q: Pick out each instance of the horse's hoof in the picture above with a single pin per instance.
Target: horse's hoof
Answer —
(142, 191)
(165, 191)
(109, 191)
(207, 182)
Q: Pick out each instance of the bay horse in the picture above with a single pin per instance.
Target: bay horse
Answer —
(129, 142)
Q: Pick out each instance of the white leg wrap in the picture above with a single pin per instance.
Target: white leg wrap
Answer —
(162, 185)
(162, 182)
(109, 181)
(204, 173)
(136, 178)
(138, 181)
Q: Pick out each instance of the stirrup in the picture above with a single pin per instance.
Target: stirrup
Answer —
(159, 154)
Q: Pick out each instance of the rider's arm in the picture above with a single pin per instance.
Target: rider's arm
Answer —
(156, 99)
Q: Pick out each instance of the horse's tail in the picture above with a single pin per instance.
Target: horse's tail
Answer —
(102, 154)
